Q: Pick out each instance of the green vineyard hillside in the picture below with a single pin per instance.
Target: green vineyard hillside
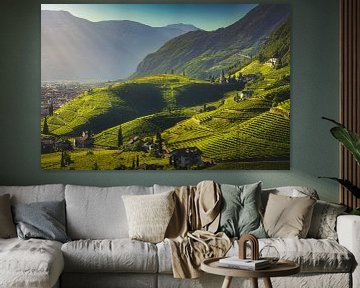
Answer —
(102, 108)
(265, 136)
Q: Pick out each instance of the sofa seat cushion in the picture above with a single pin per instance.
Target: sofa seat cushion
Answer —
(30, 263)
(115, 255)
(313, 255)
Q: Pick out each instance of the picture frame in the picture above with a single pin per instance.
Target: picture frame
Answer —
(165, 86)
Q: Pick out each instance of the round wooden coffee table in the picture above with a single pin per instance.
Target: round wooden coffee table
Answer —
(281, 268)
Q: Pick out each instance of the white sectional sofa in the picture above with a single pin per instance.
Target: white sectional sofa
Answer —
(101, 254)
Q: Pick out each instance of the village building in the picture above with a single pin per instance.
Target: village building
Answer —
(47, 146)
(246, 94)
(210, 108)
(84, 141)
(248, 77)
(185, 158)
(133, 139)
(148, 147)
(272, 62)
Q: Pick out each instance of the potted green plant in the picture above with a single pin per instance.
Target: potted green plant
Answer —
(351, 141)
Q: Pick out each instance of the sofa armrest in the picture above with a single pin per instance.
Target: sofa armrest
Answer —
(348, 230)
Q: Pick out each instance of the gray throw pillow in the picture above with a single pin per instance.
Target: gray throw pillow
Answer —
(323, 222)
(240, 213)
(7, 227)
(43, 220)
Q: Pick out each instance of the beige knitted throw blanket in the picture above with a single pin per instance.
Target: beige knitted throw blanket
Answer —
(191, 232)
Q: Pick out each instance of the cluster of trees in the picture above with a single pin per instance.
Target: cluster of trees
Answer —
(135, 163)
(231, 78)
(172, 71)
(45, 129)
(65, 159)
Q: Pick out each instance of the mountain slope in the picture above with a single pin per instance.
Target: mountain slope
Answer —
(73, 48)
(278, 45)
(103, 108)
(201, 53)
(257, 127)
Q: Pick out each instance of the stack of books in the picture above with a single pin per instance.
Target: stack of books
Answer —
(248, 264)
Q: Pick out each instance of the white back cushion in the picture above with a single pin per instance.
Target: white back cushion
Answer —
(36, 193)
(98, 213)
(163, 188)
(293, 191)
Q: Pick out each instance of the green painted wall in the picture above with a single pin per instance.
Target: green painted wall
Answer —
(314, 94)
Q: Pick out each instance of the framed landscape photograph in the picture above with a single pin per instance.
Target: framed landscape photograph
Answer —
(165, 86)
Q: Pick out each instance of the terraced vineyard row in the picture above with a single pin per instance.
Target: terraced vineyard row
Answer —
(262, 127)
(193, 142)
(233, 147)
(285, 105)
(217, 124)
(248, 104)
(204, 125)
(231, 115)
(187, 134)
(264, 136)
(141, 127)
(264, 86)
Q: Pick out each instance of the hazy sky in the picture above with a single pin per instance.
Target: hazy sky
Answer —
(204, 16)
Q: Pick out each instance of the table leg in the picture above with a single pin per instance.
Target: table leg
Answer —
(267, 283)
(227, 282)
(254, 282)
